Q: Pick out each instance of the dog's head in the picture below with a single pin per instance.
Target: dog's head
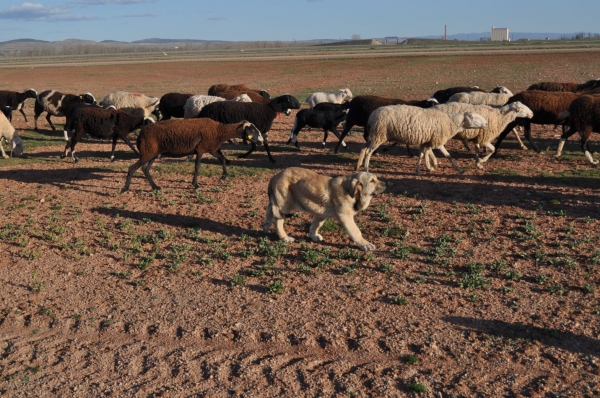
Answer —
(362, 186)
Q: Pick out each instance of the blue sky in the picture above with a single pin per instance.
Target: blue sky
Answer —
(234, 20)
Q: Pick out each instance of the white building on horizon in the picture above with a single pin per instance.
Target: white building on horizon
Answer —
(500, 34)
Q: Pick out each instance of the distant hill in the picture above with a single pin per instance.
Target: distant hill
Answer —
(171, 41)
(19, 41)
(512, 35)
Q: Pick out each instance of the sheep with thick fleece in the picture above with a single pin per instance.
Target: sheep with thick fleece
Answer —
(10, 136)
(261, 115)
(337, 97)
(410, 125)
(584, 117)
(497, 120)
(178, 138)
(442, 96)
(55, 103)
(545, 105)
(481, 98)
(217, 89)
(361, 107)
(172, 105)
(103, 123)
(133, 103)
(16, 100)
(195, 103)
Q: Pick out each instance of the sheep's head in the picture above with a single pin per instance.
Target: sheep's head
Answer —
(242, 98)
(474, 121)
(285, 103)
(17, 146)
(502, 90)
(87, 98)
(251, 133)
(31, 93)
(520, 110)
(347, 92)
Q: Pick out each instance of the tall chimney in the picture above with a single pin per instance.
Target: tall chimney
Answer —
(445, 32)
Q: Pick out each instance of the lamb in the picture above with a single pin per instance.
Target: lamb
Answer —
(571, 87)
(261, 115)
(172, 105)
(428, 128)
(217, 89)
(481, 98)
(497, 120)
(195, 103)
(103, 123)
(9, 135)
(584, 117)
(58, 104)
(361, 107)
(329, 106)
(16, 100)
(337, 97)
(133, 103)
(442, 96)
(178, 138)
(251, 95)
(545, 105)
(327, 120)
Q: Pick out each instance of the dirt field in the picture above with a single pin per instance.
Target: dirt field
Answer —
(482, 285)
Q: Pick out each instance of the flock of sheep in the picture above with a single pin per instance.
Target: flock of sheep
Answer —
(238, 112)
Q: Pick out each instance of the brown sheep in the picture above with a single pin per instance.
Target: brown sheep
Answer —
(179, 138)
(255, 97)
(584, 117)
(217, 89)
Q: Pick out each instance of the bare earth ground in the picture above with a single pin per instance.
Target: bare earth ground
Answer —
(482, 284)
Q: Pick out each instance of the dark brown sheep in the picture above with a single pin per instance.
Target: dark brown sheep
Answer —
(179, 138)
(584, 117)
(217, 89)
(545, 105)
(571, 87)
(171, 105)
(103, 123)
(58, 104)
(362, 106)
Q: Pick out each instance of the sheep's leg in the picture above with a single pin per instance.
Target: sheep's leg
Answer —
(421, 152)
(527, 129)
(317, 222)
(4, 155)
(73, 142)
(447, 155)
(35, 119)
(325, 134)
(585, 147)
(523, 147)
(23, 113)
(361, 157)
(368, 156)
(130, 172)
(146, 170)
(252, 149)
(334, 131)
(294, 134)
(64, 155)
(114, 145)
(196, 170)
(503, 135)
(50, 122)
(432, 157)
(266, 144)
(491, 147)
(347, 128)
(409, 151)
(221, 153)
(221, 157)
(128, 142)
(563, 139)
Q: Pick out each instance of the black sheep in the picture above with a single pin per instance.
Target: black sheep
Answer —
(58, 104)
(171, 105)
(261, 115)
(7, 110)
(571, 87)
(361, 107)
(16, 100)
(327, 120)
(442, 96)
(584, 117)
(103, 123)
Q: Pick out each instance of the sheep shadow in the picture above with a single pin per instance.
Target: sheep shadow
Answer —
(56, 177)
(564, 340)
(180, 221)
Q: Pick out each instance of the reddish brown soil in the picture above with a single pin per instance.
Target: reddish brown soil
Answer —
(132, 294)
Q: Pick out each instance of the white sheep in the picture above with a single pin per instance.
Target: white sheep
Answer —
(133, 103)
(8, 134)
(195, 103)
(336, 98)
(410, 125)
(482, 98)
(497, 120)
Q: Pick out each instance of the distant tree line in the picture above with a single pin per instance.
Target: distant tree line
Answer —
(51, 49)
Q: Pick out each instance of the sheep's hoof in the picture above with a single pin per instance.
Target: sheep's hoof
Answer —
(460, 171)
(5, 156)
(223, 178)
(288, 142)
(122, 190)
(112, 159)
(479, 166)
(556, 156)
(75, 160)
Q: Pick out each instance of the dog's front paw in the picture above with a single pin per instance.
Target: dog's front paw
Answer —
(288, 239)
(366, 246)
(316, 238)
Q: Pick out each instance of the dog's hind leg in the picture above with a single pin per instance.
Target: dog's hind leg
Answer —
(268, 219)
(317, 223)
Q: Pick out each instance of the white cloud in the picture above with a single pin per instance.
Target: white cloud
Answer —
(217, 18)
(40, 12)
(145, 15)
(103, 2)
